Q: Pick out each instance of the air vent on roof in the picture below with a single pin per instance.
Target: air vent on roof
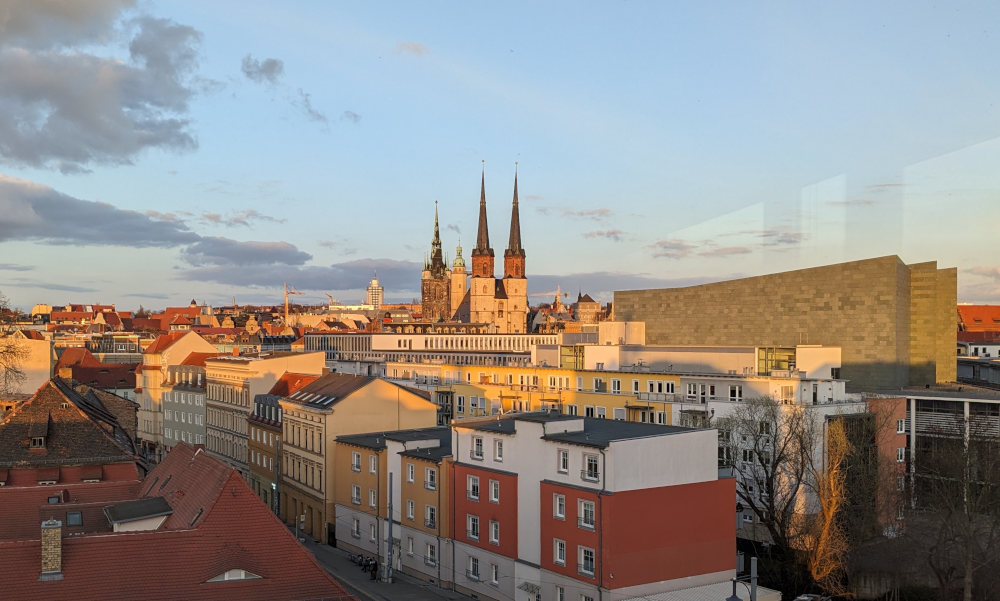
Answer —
(165, 481)
(196, 516)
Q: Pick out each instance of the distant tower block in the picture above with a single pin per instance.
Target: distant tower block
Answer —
(374, 294)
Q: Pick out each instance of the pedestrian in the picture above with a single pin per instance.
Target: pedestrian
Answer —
(374, 569)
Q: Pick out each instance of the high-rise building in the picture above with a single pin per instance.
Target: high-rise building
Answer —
(374, 294)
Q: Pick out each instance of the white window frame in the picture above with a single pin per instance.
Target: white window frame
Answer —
(901, 455)
(372, 464)
(494, 532)
(355, 494)
(559, 506)
(563, 461)
(472, 526)
(410, 509)
(410, 472)
(584, 509)
(472, 488)
(558, 552)
(372, 498)
(494, 491)
(900, 426)
(498, 449)
(581, 555)
(355, 461)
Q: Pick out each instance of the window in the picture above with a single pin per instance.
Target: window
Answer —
(900, 426)
(409, 472)
(430, 478)
(901, 454)
(372, 464)
(559, 552)
(473, 572)
(356, 528)
(764, 428)
(590, 472)
(460, 404)
(748, 455)
(735, 393)
(494, 532)
(586, 515)
(372, 498)
(409, 546)
(588, 410)
(371, 532)
(410, 509)
(477, 448)
(572, 410)
(472, 527)
(355, 462)
(560, 594)
(616, 386)
(430, 555)
(563, 460)
(472, 488)
(579, 384)
(355, 494)
(430, 516)
(601, 413)
(635, 386)
(494, 491)
(559, 506)
(74, 518)
(498, 450)
(619, 414)
(586, 561)
(494, 574)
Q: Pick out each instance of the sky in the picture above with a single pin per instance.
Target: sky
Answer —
(157, 152)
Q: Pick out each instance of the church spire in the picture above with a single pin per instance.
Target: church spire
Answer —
(437, 266)
(482, 254)
(513, 257)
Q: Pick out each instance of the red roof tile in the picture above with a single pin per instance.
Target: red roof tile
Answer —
(979, 318)
(289, 383)
(198, 359)
(73, 357)
(164, 342)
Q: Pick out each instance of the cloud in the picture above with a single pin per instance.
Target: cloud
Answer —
(15, 267)
(856, 202)
(305, 104)
(401, 277)
(604, 283)
(593, 214)
(238, 218)
(725, 251)
(672, 248)
(64, 106)
(267, 71)
(616, 235)
(147, 295)
(412, 48)
(992, 273)
(350, 116)
(227, 252)
(30, 211)
(48, 285)
(454, 228)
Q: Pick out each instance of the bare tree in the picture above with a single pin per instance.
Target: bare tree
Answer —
(13, 353)
(827, 543)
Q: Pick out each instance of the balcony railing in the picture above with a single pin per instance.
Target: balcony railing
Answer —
(472, 496)
(585, 569)
(587, 523)
(473, 534)
(430, 523)
(477, 455)
(590, 475)
(430, 484)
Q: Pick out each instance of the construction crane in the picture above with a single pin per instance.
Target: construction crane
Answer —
(287, 292)
(558, 293)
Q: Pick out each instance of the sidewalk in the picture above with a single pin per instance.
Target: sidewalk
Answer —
(358, 582)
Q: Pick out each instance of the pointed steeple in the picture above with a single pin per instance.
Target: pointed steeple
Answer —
(482, 254)
(514, 245)
(437, 265)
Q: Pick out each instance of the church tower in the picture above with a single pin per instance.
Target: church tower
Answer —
(458, 280)
(434, 283)
(514, 282)
(482, 285)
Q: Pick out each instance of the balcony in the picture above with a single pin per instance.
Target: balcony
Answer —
(586, 523)
(590, 475)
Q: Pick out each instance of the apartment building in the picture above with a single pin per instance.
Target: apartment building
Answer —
(183, 397)
(557, 505)
(313, 416)
(232, 382)
(402, 474)
(152, 383)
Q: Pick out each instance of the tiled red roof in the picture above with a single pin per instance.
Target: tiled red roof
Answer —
(198, 359)
(164, 341)
(33, 335)
(180, 320)
(981, 337)
(19, 506)
(73, 357)
(106, 375)
(289, 383)
(234, 530)
(980, 318)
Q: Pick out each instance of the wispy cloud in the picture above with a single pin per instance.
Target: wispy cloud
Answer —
(238, 218)
(672, 248)
(992, 273)
(350, 116)
(267, 71)
(412, 48)
(854, 202)
(725, 251)
(616, 235)
(454, 228)
(592, 214)
(305, 103)
(15, 267)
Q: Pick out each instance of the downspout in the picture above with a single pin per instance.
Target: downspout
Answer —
(600, 530)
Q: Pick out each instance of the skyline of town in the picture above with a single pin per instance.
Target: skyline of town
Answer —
(656, 146)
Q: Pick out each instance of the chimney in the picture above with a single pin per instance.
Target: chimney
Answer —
(51, 550)
(236, 351)
(65, 372)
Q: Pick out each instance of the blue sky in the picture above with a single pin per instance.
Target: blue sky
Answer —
(155, 152)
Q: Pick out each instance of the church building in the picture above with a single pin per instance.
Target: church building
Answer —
(451, 295)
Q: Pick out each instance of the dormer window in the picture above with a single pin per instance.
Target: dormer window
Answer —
(38, 442)
(234, 574)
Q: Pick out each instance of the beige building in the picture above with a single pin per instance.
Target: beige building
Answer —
(232, 383)
(312, 417)
(153, 383)
(39, 358)
(894, 322)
